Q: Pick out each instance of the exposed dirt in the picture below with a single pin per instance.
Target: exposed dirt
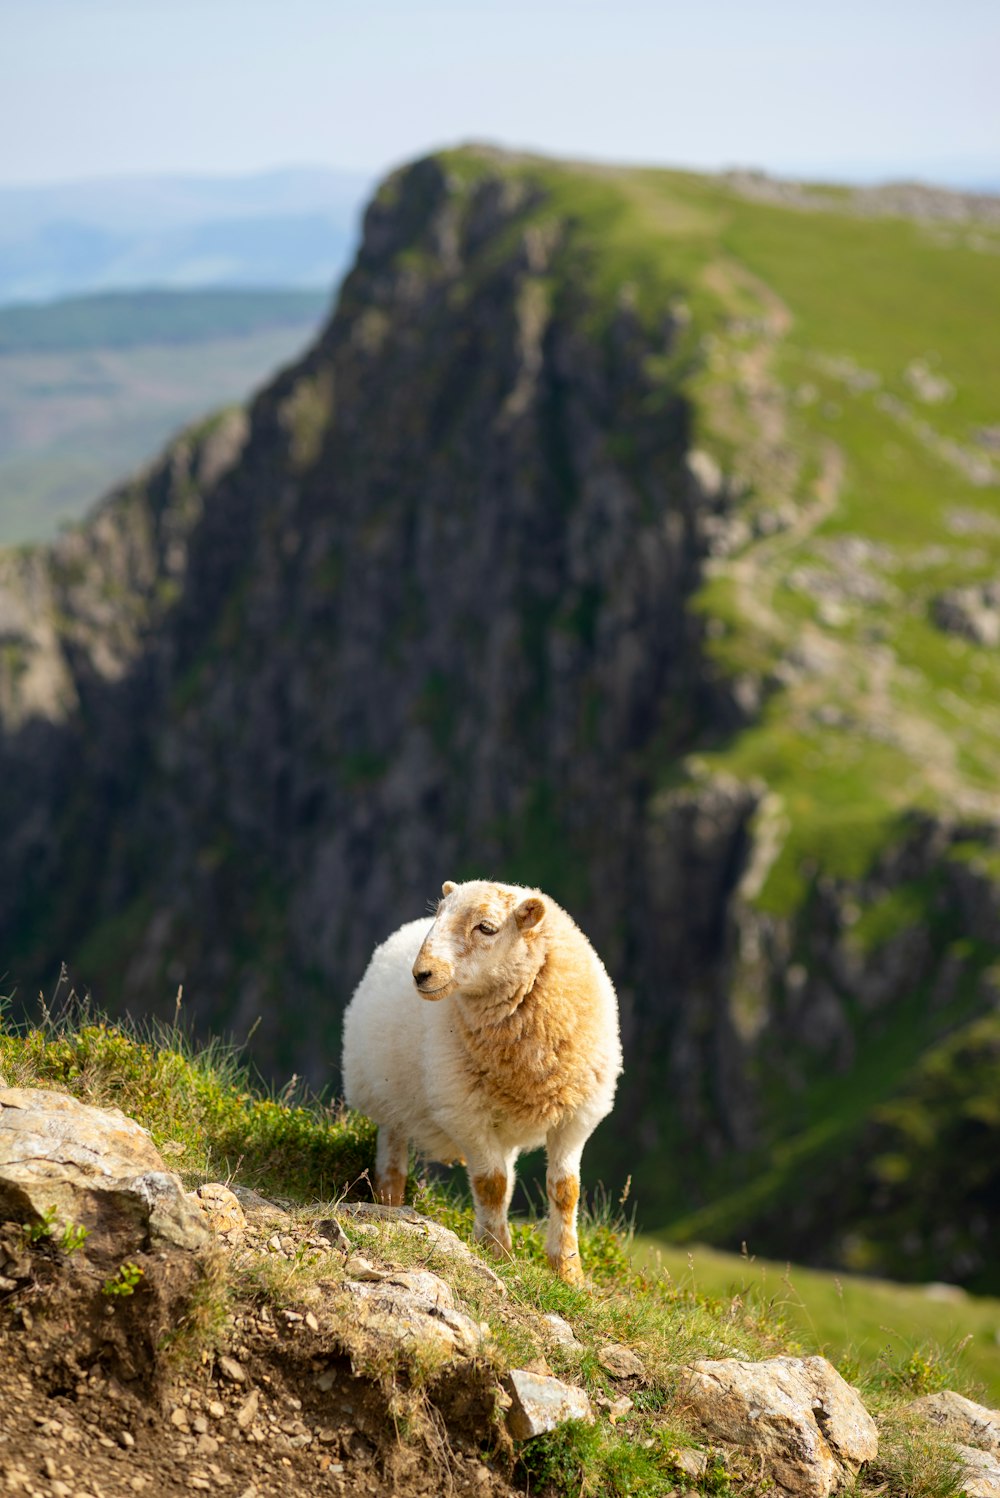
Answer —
(92, 1402)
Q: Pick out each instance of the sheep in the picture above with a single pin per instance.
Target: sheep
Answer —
(515, 1045)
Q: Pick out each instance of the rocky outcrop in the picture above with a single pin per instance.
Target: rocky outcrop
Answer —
(65, 1165)
(973, 613)
(808, 1426)
(961, 1419)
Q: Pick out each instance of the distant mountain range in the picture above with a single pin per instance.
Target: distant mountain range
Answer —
(296, 228)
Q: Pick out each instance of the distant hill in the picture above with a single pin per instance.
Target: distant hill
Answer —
(295, 227)
(90, 386)
(127, 319)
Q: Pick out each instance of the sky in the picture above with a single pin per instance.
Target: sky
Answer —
(863, 88)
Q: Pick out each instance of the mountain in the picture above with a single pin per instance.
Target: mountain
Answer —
(629, 533)
(295, 227)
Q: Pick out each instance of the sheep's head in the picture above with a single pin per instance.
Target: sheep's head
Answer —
(483, 943)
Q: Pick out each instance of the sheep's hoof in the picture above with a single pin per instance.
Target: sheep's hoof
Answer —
(390, 1187)
(569, 1268)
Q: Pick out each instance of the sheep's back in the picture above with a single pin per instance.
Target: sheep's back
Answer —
(383, 1026)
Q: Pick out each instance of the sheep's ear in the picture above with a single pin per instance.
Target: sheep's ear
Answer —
(447, 887)
(530, 913)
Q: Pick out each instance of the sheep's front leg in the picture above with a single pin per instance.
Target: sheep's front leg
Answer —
(562, 1184)
(492, 1182)
(392, 1156)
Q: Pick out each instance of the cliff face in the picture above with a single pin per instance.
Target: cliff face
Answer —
(426, 617)
(427, 611)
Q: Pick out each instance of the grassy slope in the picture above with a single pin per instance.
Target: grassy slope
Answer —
(850, 1318)
(800, 338)
(208, 1119)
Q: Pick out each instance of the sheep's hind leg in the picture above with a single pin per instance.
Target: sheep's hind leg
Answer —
(562, 1184)
(392, 1156)
(492, 1183)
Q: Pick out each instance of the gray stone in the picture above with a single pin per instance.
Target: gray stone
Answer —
(619, 1361)
(414, 1308)
(95, 1168)
(980, 1474)
(798, 1415)
(560, 1330)
(960, 1419)
(540, 1403)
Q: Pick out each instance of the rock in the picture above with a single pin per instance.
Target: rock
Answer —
(416, 1307)
(561, 1331)
(257, 1208)
(97, 1168)
(232, 1370)
(692, 1463)
(247, 1412)
(330, 1229)
(360, 1268)
(539, 1404)
(619, 1361)
(960, 1419)
(221, 1207)
(367, 1216)
(981, 1472)
(797, 1414)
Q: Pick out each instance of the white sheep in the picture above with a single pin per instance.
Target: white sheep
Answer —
(520, 1049)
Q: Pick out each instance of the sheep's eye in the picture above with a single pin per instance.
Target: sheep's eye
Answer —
(486, 928)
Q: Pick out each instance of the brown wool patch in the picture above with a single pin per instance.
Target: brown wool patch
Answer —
(564, 1195)
(490, 1190)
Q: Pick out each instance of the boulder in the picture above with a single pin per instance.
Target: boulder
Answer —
(960, 1419)
(980, 1474)
(415, 1307)
(797, 1414)
(94, 1168)
(540, 1403)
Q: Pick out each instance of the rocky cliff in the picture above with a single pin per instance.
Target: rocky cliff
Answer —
(513, 575)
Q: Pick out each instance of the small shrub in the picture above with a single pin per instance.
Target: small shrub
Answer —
(124, 1281)
(37, 1232)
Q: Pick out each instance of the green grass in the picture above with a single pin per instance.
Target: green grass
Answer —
(857, 1322)
(202, 1108)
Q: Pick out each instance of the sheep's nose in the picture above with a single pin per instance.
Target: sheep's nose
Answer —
(421, 978)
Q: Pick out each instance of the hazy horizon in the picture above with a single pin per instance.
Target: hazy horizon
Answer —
(110, 90)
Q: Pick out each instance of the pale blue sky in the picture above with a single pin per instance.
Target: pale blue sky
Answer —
(103, 87)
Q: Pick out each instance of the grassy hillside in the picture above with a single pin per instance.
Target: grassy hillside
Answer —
(90, 387)
(852, 1319)
(211, 1122)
